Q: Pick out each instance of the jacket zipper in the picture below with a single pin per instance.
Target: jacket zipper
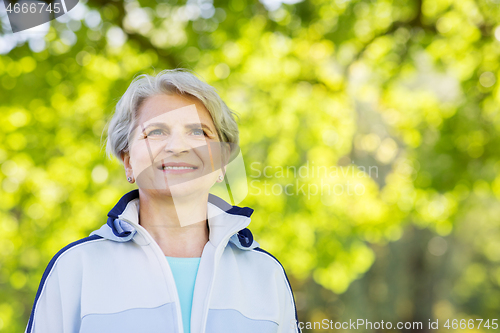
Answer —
(218, 252)
(156, 248)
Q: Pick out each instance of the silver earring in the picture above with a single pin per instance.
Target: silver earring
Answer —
(220, 177)
(129, 179)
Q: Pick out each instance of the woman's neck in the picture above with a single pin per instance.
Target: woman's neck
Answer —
(178, 226)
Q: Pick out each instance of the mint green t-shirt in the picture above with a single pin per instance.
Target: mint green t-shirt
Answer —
(184, 271)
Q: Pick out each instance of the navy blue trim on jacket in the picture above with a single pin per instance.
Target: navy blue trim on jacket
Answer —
(245, 237)
(213, 199)
(233, 210)
(122, 204)
(49, 268)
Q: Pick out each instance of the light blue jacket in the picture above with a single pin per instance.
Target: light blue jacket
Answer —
(118, 280)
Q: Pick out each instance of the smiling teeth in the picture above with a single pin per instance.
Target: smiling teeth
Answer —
(176, 168)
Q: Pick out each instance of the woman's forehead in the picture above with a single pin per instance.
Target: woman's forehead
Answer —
(172, 110)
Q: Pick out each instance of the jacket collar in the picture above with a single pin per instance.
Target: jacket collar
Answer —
(224, 220)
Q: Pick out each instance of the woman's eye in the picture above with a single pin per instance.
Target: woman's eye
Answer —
(155, 132)
(198, 132)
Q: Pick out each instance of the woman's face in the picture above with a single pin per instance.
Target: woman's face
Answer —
(175, 149)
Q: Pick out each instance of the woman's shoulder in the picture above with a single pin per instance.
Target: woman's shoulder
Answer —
(74, 249)
(266, 259)
(76, 246)
(249, 251)
(254, 260)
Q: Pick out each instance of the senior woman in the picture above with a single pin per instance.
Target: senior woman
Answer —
(172, 257)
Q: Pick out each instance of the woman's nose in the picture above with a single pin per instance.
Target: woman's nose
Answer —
(176, 143)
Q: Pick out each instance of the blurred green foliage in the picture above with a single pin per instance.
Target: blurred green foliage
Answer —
(400, 97)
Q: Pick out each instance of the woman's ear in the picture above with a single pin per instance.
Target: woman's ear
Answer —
(125, 156)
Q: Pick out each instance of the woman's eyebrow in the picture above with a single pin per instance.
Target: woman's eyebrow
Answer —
(161, 125)
(190, 126)
(195, 126)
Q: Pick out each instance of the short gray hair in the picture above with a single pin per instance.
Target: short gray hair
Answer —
(175, 81)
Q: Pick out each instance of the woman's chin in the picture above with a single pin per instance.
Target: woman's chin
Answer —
(176, 187)
(176, 191)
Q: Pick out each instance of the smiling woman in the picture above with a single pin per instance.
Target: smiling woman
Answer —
(175, 131)
(172, 257)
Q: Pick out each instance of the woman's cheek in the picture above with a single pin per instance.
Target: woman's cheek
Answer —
(213, 156)
(140, 159)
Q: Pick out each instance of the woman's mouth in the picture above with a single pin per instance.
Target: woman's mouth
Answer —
(177, 169)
